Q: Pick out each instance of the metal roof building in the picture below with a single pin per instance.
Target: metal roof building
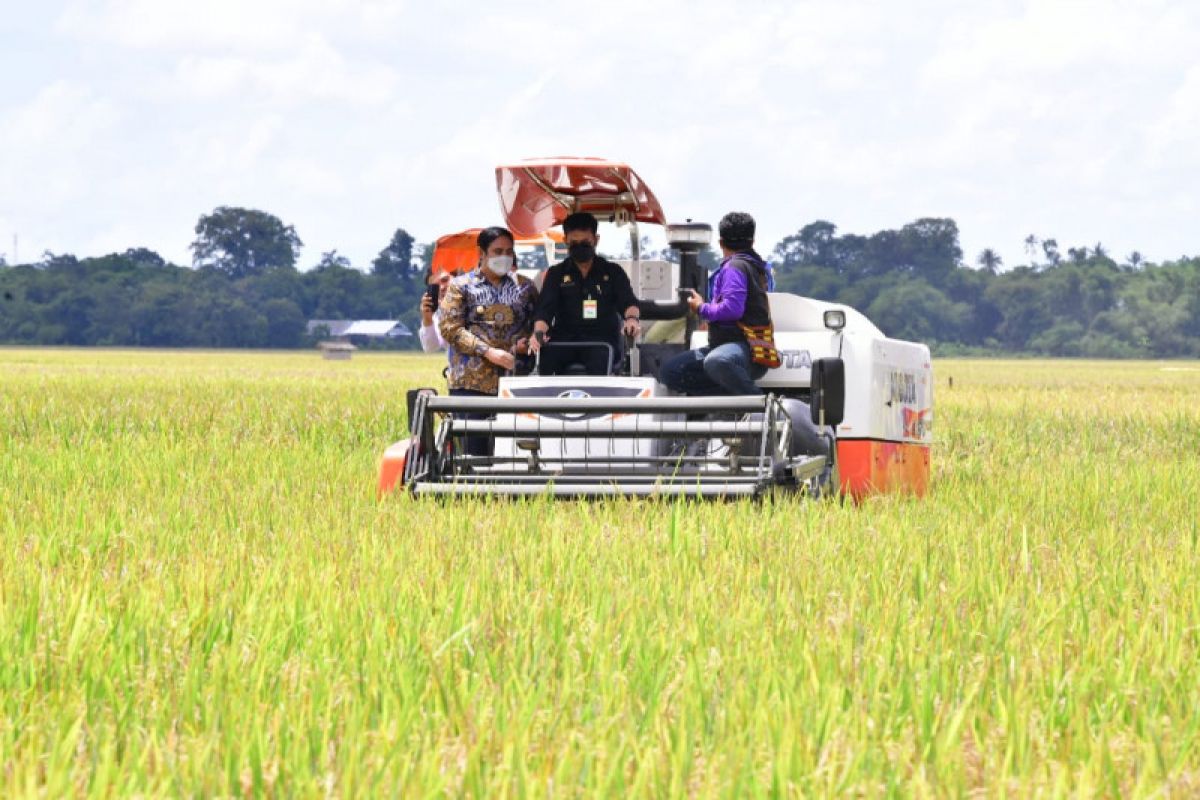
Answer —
(370, 328)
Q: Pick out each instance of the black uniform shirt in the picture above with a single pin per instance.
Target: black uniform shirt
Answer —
(565, 292)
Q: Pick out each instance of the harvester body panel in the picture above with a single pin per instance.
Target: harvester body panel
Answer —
(884, 437)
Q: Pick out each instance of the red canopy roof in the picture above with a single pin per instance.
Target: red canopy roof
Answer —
(537, 194)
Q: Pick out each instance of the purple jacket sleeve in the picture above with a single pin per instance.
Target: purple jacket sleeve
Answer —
(729, 297)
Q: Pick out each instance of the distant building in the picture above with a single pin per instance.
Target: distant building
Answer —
(366, 328)
(336, 351)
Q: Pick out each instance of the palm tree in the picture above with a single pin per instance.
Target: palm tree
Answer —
(1099, 251)
(1031, 247)
(989, 259)
(1078, 254)
(1135, 259)
(1050, 248)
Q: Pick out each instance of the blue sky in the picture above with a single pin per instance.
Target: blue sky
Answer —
(121, 121)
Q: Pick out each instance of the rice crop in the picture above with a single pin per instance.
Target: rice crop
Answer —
(201, 596)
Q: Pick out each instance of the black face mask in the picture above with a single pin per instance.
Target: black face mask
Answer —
(582, 252)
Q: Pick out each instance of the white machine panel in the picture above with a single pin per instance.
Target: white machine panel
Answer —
(578, 451)
(653, 280)
(889, 382)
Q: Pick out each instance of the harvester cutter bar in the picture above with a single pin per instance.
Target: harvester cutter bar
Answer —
(487, 470)
(593, 490)
(631, 478)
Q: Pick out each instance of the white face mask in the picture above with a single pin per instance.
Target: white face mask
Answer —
(500, 265)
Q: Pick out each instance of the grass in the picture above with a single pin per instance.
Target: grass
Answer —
(199, 596)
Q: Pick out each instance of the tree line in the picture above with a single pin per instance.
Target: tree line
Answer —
(913, 284)
(243, 289)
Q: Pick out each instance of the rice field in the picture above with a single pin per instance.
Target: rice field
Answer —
(200, 596)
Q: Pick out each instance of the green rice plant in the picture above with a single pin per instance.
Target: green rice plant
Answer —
(200, 595)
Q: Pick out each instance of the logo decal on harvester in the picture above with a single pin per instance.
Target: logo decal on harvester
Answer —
(916, 423)
(573, 394)
(902, 387)
(904, 392)
(795, 359)
(621, 392)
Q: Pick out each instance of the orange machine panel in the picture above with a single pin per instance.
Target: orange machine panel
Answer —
(868, 466)
(391, 468)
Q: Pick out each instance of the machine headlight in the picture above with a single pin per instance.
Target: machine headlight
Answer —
(835, 319)
(689, 235)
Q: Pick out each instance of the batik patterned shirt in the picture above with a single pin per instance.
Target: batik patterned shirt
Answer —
(475, 316)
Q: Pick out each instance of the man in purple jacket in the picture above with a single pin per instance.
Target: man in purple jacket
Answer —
(738, 292)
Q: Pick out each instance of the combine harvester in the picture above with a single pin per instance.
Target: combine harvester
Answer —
(624, 434)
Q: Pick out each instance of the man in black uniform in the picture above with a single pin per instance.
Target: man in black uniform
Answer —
(585, 298)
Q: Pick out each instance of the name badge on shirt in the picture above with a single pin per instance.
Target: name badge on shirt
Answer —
(589, 309)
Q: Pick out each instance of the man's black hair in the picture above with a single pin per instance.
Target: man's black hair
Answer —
(580, 221)
(736, 230)
(489, 235)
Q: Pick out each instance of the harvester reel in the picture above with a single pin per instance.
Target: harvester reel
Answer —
(596, 446)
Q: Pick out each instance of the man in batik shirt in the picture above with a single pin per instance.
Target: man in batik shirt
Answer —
(486, 318)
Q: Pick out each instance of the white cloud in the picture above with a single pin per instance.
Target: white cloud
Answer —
(1171, 140)
(60, 120)
(256, 27)
(1045, 38)
(230, 149)
(54, 139)
(313, 72)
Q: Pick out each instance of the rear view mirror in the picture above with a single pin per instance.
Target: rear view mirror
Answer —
(828, 387)
(410, 400)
